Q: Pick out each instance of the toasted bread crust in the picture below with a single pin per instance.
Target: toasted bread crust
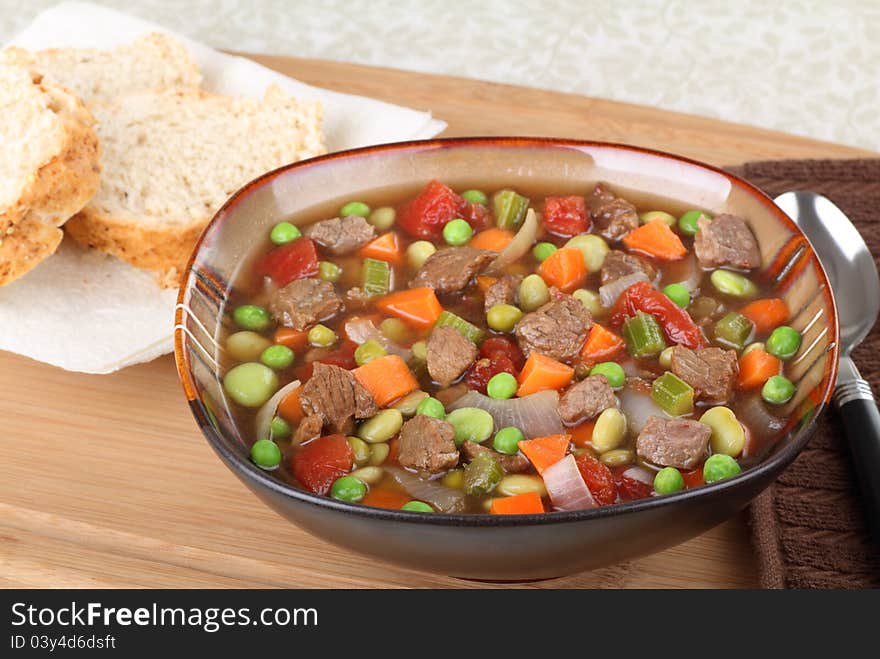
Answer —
(162, 249)
(53, 192)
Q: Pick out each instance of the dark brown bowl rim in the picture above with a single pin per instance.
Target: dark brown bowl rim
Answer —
(247, 470)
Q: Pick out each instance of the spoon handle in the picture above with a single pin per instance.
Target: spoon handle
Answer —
(861, 421)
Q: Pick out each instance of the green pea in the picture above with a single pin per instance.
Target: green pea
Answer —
(283, 233)
(593, 248)
(475, 197)
(679, 294)
(246, 346)
(417, 507)
(503, 317)
(252, 317)
(322, 336)
(358, 208)
(348, 488)
(279, 428)
(542, 250)
(457, 232)
(431, 407)
(381, 427)
(612, 371)
(720, 466)
(732, 283)
(650, 216)
(266, 454)
(383, 218)
(419, 252)
(668, 480)
(329, 271)
(471, 424)
(250, 384)
(507, 440)
(533, 293)
(501, 386)
(777, 390)
(687, 223)
(396, 330)
(590, 300)
(784, 342)
(368, 351)
(278, 357)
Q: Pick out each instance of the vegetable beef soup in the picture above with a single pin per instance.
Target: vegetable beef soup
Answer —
(507, 351)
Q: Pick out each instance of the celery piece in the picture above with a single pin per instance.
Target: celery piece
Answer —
(468, 331)
(376, 277)
(673, 394)
(643, 335)
(734, 330)
(509, 209)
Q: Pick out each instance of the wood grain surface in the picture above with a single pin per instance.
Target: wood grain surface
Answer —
(107, 482)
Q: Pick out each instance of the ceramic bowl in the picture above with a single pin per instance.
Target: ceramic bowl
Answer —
(484, 546)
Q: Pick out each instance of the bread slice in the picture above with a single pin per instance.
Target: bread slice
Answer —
(49, 168)
(172, 158)
(153, 61)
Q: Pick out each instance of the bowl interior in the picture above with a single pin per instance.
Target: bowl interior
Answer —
(789, 263)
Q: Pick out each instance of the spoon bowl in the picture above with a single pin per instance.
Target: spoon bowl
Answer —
(847, 261)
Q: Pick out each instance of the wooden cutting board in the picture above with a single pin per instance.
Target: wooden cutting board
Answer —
(107, 482)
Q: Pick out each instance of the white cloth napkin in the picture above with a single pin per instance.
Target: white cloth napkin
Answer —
(88, 312)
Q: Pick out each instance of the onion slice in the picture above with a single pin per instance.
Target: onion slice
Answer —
(638, 407)
(361, 330)
(609, 293)
(443, 498)
(536, 415)
(566, 486)
(263, 420)
(638, 473)
(518, 247)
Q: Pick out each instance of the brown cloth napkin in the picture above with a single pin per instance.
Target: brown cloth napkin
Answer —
(808, 529)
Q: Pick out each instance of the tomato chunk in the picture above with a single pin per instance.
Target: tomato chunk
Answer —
(477, 215)
(631, 489)
(486, 368)
(498, 345)
(320, 462)
(565, 216)
(342, 357)
(598, 478)
(678, 326)
(295, 260)
(427, 214)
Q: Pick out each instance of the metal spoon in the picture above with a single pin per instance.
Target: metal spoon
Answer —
(856, 287)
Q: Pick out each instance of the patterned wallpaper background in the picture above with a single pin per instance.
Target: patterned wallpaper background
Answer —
(810, 67)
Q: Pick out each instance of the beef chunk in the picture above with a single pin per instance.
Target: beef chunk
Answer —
(586, 399)
(309, 428)
(503, 291)
(427, 445)
(676, 443)
(341, 235)
(304, 302)
(557, 329)
(450, 270)
(334, 394)
(449, 355)
(620, 264)
(511, 464)
(726, 240)
(710, 371)
(612, 216)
